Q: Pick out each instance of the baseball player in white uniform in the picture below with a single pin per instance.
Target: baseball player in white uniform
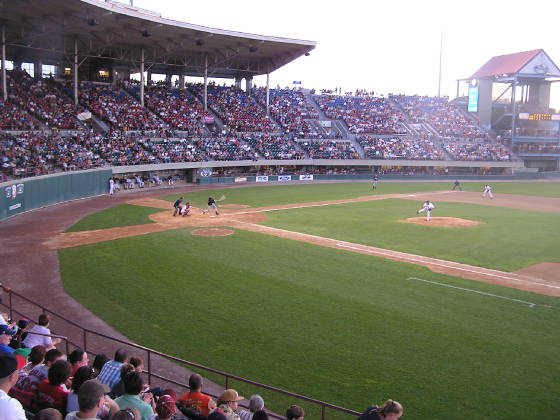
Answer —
(111, 186)
(487, 190)
(427, 207)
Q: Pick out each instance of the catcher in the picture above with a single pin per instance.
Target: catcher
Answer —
(185, 208)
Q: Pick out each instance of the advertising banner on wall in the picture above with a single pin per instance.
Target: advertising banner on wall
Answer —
(13, 195)
(206, 172)
(306, 177)
(284, 177)
(262, 179)
(240, 179)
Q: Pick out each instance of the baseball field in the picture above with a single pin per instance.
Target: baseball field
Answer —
(342, 293)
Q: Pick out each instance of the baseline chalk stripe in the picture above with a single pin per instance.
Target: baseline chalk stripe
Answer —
(531, 305)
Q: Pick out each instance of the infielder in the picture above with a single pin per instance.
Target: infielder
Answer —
(111, 186)
(487, 190)
(457, 184)
(211, 204)
(375, 182)
(427, 207)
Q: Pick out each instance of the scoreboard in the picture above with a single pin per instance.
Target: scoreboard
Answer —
(539, 117)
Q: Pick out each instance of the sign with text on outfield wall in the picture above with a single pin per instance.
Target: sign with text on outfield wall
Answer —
(240, 179)
(306, 177)
(284, 177)
(261, 178)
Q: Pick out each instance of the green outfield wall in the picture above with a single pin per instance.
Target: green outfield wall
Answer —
(31, 193)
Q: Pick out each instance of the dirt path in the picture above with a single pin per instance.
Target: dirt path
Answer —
(541, 278)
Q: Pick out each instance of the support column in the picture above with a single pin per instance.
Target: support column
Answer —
(238, 82)
(4, 82)
(168, 78)
(458, 82)
(149, 78)
(513, 110)
(267, 93)
(206, 83)
(76, 72)
(248, 85)
(182, 82)
(142, 80)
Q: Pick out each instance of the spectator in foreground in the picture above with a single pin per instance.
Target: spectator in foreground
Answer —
(52, 391)
(45, 340)
(118, 388)
(6, 334)
(10, 408)
(93, 403)
(228, 403)
(294, 412)
(82, 374)
(111, 372)
(165, 407)
(48, 414)
(36, 357)
(98, 364)
(195, 400)
(39, 373)
(77, 359)
(126, 414)
(391, 410)
(256, 403)
(260, 415)
(132, 388)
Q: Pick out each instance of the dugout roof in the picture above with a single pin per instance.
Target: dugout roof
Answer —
(45, 30)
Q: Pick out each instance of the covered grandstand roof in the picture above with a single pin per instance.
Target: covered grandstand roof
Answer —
(526, 63)
(46, 29)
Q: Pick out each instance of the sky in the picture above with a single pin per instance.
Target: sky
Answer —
(384, 46)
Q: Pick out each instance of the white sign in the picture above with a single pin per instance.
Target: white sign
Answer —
(262, 179)
(306, 177)
(284, 177)
(325, 124)
(82, 116)
(15, 206)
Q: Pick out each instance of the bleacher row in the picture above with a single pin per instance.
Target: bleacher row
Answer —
(398, 127)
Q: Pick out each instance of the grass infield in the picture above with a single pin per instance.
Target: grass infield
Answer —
(117, 216)
(342, 327)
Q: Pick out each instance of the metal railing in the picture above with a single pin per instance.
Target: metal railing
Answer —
(86, 335)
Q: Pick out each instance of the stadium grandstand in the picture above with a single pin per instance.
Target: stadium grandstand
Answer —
(70, 103)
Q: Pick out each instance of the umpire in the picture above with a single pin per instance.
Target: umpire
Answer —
(177, 206)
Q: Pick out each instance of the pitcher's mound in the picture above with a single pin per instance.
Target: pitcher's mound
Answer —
(212, 232)
(441, 221)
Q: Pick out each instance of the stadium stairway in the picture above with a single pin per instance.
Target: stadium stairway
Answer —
(277, 127)
(148, 110)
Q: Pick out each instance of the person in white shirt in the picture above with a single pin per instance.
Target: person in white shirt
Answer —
(42, 327)
(487, 190)
(427, 207)
(10, 408)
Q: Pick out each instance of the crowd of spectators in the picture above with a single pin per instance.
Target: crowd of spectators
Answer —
(445, 118)
(238, 110)
(273, 147)
(290, 109)
(474, 151)
(14, 118)
(328, 149)
(400, 148)
(176, 107)
(364, 114)
(536, 148)
(44, 99)
(118, 108)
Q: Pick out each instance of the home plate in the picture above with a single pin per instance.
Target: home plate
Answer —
(212, 216)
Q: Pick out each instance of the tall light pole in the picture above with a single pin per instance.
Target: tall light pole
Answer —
(440, 54)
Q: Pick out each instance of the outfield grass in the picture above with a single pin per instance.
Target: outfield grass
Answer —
(119, 215)
(341, 327)
(504, 240)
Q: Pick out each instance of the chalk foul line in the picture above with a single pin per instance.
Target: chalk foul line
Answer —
(531, 304)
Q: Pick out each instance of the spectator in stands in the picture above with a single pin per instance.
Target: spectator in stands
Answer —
(110, 373)
(137, 363)
(130, 413)
(93, 403)
(52, 391)
(10, 408)
(256, 403)
(98, 364)
(133, 388)
(83, 374)
(45, 340)
(195, 400)
(77, 359)
(6, 334)
(294, 412)
(118, 389)
(48, 414)
(36, 358)
(39, 373)
(228, 403)
(165, 407)
(391, 410)
(260, 415)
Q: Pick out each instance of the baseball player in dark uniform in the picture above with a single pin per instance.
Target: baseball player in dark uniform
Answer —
(375, 182)
(177, 206)
(211, 204)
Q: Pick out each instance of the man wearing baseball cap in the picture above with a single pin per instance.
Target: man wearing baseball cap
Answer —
(10, 408)
(6, 334)
(93, 402)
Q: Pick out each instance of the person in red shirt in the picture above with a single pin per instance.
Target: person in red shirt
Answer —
(195, 400)
(50, 392)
